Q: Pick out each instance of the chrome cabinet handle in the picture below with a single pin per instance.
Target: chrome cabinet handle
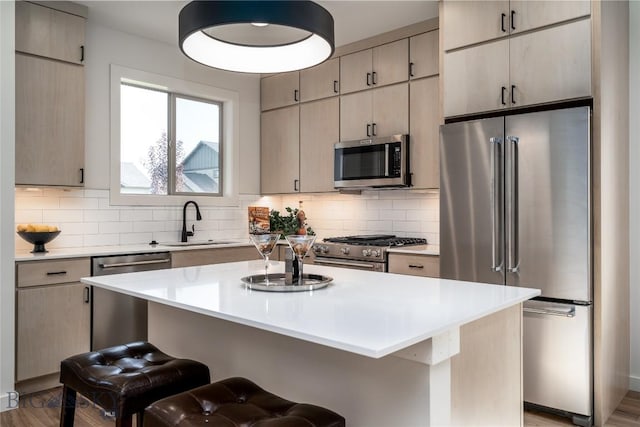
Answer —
(368, 129)
(513, 262)
(131, 264)
(570, 313)
(373, 129)
(496, 205)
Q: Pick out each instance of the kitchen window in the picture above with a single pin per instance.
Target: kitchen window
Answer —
(171, 141)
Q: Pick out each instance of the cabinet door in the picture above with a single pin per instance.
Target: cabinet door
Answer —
(279, 90)
(469, 22)
(552, 64)
(391, 63)
(47, 32)
(353, 71)
(474, 79)
(355, 115)
(279, 150)
(527, 14)
(424, 132)
(319, 124)
(321, 81)
(52, 324)
(49, 122)
(391, 110)
(423, 55)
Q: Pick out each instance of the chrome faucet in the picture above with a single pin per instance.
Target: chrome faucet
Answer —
(186, 233)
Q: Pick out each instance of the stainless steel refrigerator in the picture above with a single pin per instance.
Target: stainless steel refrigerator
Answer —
(515, 209)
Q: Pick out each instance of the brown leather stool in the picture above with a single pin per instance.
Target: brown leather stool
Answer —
(236, 402)
(125, 379)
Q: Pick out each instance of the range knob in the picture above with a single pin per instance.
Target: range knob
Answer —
(376, 253)
(324, 249)
(345, 251)
(366, 252)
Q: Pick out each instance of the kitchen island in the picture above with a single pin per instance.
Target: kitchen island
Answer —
(380, 349)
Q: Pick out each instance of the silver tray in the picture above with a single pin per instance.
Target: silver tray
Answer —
(277, 283)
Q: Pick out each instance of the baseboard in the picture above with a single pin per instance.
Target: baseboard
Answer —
(634, 383)
(9, 401)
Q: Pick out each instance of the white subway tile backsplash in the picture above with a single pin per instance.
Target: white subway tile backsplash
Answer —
(87, 218)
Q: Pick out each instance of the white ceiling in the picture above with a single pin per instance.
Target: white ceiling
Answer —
(354, 19)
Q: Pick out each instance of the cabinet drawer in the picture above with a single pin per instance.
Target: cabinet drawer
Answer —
(415, 265)
(35, 273)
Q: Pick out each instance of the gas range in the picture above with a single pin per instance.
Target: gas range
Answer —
(366, 252)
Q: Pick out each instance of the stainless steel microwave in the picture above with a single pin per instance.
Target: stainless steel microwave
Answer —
(372, 163)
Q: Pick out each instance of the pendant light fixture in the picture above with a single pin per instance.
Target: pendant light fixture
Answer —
(256, 36)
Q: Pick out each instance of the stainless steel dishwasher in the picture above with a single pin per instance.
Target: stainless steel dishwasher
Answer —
(117, 318)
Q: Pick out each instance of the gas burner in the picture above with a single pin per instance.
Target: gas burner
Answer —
(387, 240)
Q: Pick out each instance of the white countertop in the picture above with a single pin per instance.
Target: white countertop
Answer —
(416, 250)
(118, 250)
(368, 313)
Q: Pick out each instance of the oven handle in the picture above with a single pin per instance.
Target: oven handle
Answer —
(343, 263)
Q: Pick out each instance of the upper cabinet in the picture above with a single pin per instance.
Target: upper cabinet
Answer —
(530, 62)
(50, 33)
(321, 81)
(466, 23)
(50, 95)
(280, 90)
(423, 55)
(383, 65)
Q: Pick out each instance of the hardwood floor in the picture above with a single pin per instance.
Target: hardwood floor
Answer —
(43, 410)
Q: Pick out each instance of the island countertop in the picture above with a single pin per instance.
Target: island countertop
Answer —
(367, 313)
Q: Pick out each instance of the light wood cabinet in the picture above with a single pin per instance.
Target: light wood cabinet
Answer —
(424, 131)
(526, 15)
(280, 151)
(49, 122)
(280, 90)
(414, 265)
(383, 65)
(379, 112)
(47, 32)
(423, 55)
(526, 69)
(467, 23)
(213, 256)
(321, 81)
(551, 65)
(52, 313)
(50, 106)
(319, 125)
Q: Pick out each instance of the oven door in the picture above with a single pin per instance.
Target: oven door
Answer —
(352, 264)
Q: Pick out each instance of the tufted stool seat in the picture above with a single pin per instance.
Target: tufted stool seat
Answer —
(125, 379)
(236, 402)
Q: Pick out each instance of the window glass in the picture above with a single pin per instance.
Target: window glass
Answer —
(198, 148)
(143, 141)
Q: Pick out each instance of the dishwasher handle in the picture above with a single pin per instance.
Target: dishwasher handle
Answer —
(133, 263)
(562, 313)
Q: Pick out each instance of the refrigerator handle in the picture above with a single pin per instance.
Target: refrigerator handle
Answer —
(561, 313)
(496, 200)
(513, 262)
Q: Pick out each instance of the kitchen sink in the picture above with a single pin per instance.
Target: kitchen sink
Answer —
(197, 243)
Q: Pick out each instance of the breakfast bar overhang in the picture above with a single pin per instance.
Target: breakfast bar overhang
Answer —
(380, 349)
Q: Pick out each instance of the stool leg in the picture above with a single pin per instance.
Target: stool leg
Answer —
(67, 407)
(124, 421)
(139, 418)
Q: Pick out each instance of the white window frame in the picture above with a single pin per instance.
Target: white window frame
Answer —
(230, 130)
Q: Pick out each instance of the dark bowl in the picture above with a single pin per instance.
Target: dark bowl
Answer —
(38, 238)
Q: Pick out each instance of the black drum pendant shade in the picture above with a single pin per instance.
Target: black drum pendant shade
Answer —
(256, 36)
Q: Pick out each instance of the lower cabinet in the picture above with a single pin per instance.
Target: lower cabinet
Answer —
(53, 319)
(213, 256)
(414, 265)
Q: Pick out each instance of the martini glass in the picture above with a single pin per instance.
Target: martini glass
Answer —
(265, 243)
(300, 245)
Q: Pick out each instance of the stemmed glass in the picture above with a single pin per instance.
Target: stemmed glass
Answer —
(300, 245)
(265, 243)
